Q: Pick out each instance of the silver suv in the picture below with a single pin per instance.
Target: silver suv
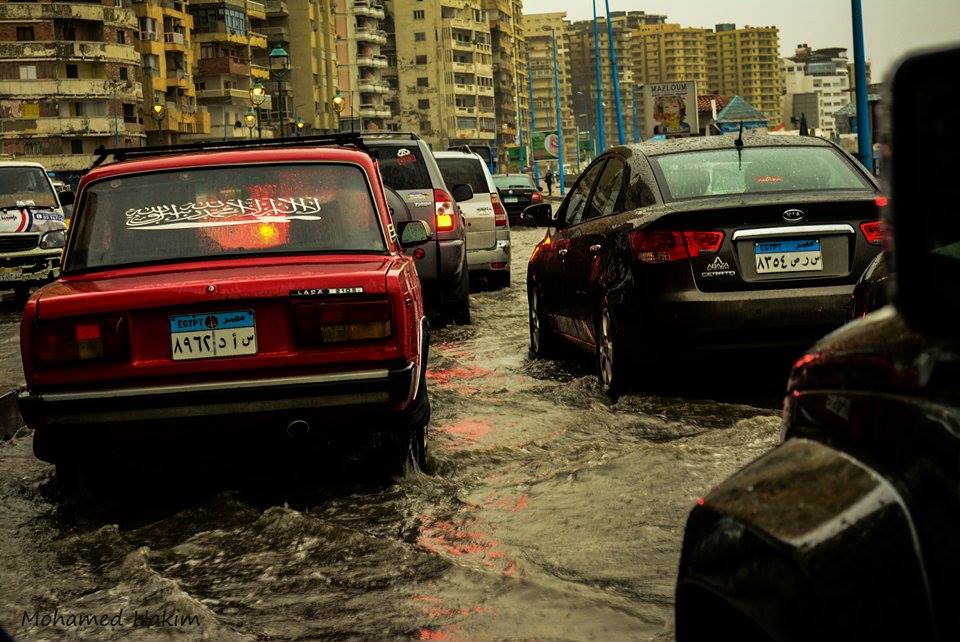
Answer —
(408, 167)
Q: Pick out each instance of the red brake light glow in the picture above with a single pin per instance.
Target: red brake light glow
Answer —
(881, 201)
(446, 217)
(68, 341)
(536, 197)
(703, 242)
(499, 213)
(656, 246)
(872, 232)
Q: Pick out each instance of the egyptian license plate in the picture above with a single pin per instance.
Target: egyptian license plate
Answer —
(11, 274)
(511, 199)
(772, 257)
(211, 335)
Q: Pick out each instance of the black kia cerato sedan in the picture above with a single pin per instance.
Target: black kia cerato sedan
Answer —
(668, 249)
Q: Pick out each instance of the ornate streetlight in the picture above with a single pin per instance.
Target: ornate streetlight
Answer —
(300, 124)
(251, 120)
(279, 68)
(159, 112)
(338, 105)
(257, 96)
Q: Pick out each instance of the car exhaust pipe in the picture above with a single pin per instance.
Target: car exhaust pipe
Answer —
(298, 429)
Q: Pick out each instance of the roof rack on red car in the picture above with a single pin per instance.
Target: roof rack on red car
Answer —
(340, 140)
(389, 134)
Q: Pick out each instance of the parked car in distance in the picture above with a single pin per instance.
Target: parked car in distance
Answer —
(671, 251)
(408, 166)
(517, 193)
(221, 294)
(488, 231)
(32, 229)
(848, 530)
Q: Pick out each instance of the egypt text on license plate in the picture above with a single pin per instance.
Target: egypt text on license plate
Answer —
(788, 256)
(214, 334)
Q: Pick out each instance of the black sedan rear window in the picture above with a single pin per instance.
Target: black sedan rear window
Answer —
(207, 213)
(519, 181)
(723, 172)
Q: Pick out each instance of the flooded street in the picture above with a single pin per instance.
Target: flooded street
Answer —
(549, 513)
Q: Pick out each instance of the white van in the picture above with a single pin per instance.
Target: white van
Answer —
(32, 228)
(488, 230)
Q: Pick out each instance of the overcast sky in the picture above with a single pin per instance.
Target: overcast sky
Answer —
(891, 27)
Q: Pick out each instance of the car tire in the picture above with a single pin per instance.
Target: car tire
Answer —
(459, 310)
(611, 366)
(409, 445)
(543, 343)
(20, 294)
(500, 280)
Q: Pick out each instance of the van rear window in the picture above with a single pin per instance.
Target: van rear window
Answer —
(459, 171)
(403, 168)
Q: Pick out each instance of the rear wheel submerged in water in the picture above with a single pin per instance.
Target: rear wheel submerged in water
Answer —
(611, 370)
(543, 343)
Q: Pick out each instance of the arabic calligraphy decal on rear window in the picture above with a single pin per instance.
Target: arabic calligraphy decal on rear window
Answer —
(219, 213)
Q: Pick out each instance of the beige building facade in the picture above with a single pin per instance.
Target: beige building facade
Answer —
(745, 62)
(360, 65)
(540, 29)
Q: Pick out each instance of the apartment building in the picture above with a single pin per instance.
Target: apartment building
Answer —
(625, 25)
(302, 86)
(745, 62)
(360, 65)
(507, 34)
(227, 37)
(443, 57)
(816, 85)
(170, 99)
(540, 28)
(71, 82)
(671, 53)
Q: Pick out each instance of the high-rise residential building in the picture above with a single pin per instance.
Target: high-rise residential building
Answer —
(746, 62)
(625, 25)
(360, 64)
(443, 56)
(540, 28)
(71, 82)
(227, 36)
(170, 98)
(816, 86)
(303, 86)
(671, 53)
(507, 33)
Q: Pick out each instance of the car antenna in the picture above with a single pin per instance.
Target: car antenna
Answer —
(739, 145)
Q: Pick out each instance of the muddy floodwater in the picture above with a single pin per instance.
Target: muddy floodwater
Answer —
(548, 513)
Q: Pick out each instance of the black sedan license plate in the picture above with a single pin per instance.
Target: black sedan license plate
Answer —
(773, 257)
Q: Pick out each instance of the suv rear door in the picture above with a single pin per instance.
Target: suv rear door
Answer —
(461, 168)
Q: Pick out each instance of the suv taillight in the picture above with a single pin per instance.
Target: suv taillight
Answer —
(656, 246)
(499, 213)
(446, 215)
(87, 340)
(326, 323)
(536, 197)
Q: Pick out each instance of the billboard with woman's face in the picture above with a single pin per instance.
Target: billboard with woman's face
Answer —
(671, 108)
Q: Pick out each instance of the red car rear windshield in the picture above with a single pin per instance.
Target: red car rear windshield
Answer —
(209, 213)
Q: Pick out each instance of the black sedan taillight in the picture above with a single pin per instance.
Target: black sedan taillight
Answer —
(660, 246)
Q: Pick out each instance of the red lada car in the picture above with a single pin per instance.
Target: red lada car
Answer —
(227, 292)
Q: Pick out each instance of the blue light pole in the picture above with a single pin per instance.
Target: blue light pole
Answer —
(616, 78)
(636, 117)
(533, 124)
(601, 136)
(556, 91)
(520, 125)
(864, 142)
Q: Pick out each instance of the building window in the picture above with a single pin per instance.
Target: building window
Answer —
(121, 37)
(24, 33)
(77, 110)
(422, 59)
(129, 113)
(423, 82)
(423, 104)
(123, 73)
(235, 21)
(76, 146)
(33, 148)
(419, 14)
(420, 36)
(28, 72)
(73, 71)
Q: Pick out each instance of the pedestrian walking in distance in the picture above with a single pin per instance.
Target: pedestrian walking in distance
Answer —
(549, 179)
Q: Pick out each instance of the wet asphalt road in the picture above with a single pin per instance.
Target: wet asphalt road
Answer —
(549, 513)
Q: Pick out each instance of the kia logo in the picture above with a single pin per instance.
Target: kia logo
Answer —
(793, 216)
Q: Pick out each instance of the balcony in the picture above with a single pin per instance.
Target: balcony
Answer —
(225, 65)
(277, 8)
(275, 33)
(485, 91)
(256, 10)
(45, 12)
(370, 35)
(372, 62)
(83, 51)
(369, 9)
(368, 111)
(175, 38)
(465, 67)
(73, 126)
(372, 87)
(260, 72)
(258, 40)
(70, 88)
(207, 94)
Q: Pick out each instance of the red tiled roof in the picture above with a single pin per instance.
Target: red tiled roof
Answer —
(703, 102)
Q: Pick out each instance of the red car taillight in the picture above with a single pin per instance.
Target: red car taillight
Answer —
(656, 246)
(446, 215)
(536, 197)
(873, 232)
(499, 213)
(88, 340)
(342, 322)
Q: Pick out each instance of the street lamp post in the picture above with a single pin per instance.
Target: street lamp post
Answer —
(279, 67)
(556, 90)
(864, 142)
(601, 142)
(257, 96)
(533, 125)
(338, 104)
(116, 114)
(251, 120)
(616, 78)
(159, 112)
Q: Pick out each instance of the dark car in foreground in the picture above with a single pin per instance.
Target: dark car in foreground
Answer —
(870, 293)
(517, 193)
(218, 295)
(409, 167)
(664, 251)
(849, 529)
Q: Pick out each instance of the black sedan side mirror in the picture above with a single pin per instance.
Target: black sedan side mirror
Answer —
(926, 231)
(66, 198)
(413, 233)
(538, 215)
(462, 192)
